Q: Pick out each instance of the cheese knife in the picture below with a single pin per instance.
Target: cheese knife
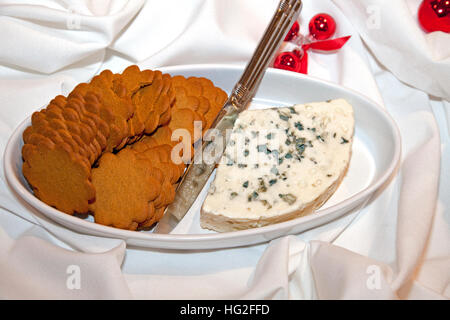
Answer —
(199, 171)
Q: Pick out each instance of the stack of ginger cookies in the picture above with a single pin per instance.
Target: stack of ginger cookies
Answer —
(106, 149)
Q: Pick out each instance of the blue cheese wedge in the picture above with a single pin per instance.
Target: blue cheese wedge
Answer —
(279, 164)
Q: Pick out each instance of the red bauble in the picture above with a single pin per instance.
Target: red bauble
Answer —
(293, 33)
(434, 15)
(287, 61)
(299, 52)
(322, 26)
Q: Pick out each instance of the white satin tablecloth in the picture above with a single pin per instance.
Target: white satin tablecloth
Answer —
(396, 247)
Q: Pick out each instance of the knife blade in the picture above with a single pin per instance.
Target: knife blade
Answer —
(199, 171)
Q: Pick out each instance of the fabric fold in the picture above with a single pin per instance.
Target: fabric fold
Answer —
(395, 37)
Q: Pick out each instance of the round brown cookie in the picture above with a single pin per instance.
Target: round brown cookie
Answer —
(203, 121)
(165, 101)
(97, 149)
(73, 121)
(124, 188)
(184, 101)
(74, 145)
(216, 96)
(57, 136)
(45, 120)
(210, 93)
(144, 143)
(38, 115)
(57, 124)
(38, 120)
(221, 98)
(163, 152)
(152, 122)
(163, 136)
(193, 87)
(163, 198)
(35, 140)
(179, 156)
(81, 125)
(171, 94)
(167, 83)
(118, 129)
(178, 81)
(210, 116)
(58, 177)
(28, 149)
(80, 134)
(138, 146)
(145, 100)
(114, 92)
(164, 119)
(84, 131)
(186, 119)
(159, 212)
(157, 75)
(203, 82)
(121, 90)
(59, 100)
(45, 132)
(160, 158)
(99, 128)
(97, 125)
(134, 79)
(217, 99)
(26, 133)
(166, 157)
(203, 105)
(159, 176)
(162, 106)
(117, 106)
(199, 95)
(62, 123)
(83, 108)
(176, 174)
(122, 144)
(136, 128)
(84, 150)
(150, 217)
(54, 112)
(93, 105)
(156, 102)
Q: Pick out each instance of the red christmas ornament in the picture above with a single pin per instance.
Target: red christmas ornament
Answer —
(434, 15)
(293, 33)
(299, 52)
(287, 61)
(322, 26)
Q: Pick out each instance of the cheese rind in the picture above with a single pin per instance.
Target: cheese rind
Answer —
(279, 164)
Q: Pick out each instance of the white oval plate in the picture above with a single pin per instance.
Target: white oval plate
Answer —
(376, 154)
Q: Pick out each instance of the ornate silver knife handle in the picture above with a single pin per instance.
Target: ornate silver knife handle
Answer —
(272, 38)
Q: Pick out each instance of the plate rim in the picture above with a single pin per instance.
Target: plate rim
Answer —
(111, 232)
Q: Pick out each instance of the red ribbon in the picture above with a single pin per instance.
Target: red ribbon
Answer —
(325, 45)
